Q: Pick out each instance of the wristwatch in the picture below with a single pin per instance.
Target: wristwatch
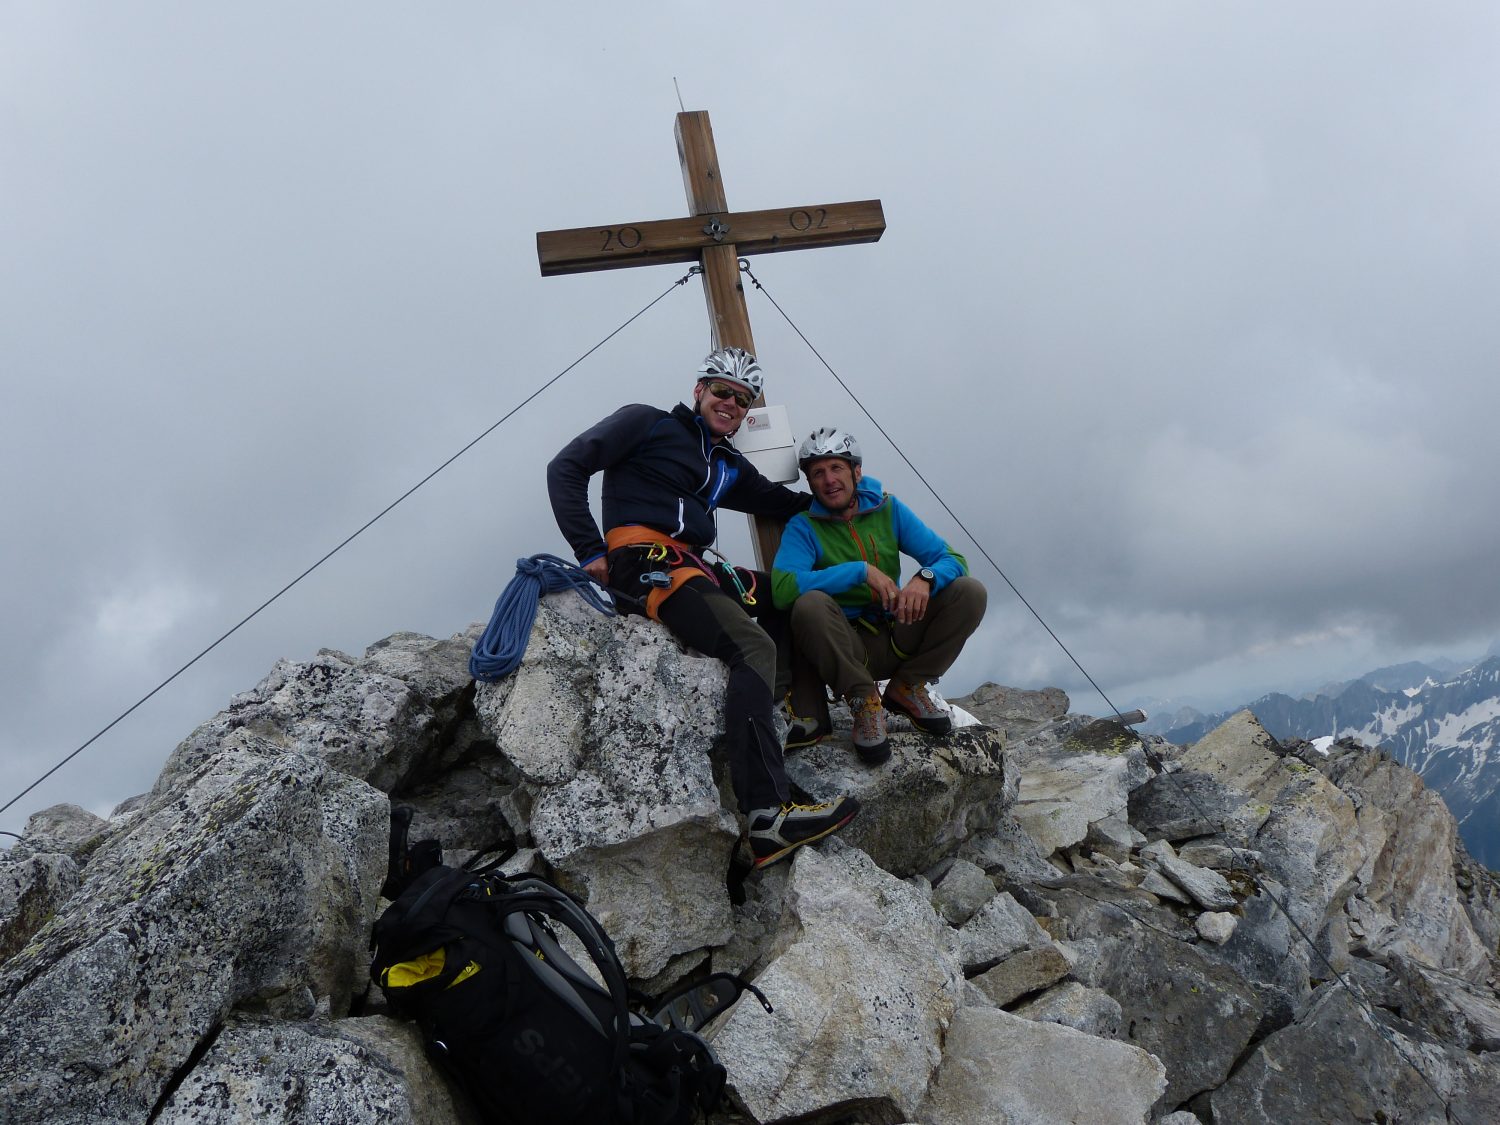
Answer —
(926, 572)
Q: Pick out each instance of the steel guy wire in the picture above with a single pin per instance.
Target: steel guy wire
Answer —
(745, 268)
(1365, 1006)
(350, 538)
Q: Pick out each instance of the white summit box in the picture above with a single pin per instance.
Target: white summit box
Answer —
(766, 438)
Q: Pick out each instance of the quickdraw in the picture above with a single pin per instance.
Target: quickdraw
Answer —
(746, 596)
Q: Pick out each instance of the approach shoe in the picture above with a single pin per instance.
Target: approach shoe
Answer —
(869, 738)
(797, 732)
(913, 701)
(804, 732)
(776, 832)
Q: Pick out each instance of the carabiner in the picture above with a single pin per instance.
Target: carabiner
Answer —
(746, 596)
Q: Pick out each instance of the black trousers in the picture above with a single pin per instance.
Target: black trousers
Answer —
(754, 642)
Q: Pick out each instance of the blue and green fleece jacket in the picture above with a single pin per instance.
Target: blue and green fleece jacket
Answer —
(822, 551)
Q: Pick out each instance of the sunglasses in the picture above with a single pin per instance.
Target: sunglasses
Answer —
(724, 390)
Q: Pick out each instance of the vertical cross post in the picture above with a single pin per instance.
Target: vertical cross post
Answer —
(727, 314)
(715, 238)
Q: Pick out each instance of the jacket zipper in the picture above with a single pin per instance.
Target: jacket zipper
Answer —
(860, 543)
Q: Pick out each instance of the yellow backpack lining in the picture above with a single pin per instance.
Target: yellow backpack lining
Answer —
(405, 974)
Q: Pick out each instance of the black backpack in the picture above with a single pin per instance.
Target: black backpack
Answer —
(533, 1038)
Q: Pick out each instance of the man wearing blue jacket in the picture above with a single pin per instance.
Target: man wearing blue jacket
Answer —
(838, 570)
(666, 473)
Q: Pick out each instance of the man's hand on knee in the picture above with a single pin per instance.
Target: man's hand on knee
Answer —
(911, 602)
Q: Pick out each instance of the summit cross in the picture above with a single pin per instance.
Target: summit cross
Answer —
(714, 237)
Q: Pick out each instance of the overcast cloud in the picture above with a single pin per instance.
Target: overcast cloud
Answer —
(1188, 310)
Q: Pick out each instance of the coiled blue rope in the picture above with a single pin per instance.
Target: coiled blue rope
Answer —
(498, 653)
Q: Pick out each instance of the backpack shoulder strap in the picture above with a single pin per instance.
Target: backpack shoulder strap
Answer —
(533, 895)
(692, 1006)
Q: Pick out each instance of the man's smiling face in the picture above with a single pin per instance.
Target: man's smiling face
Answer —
(722, 414)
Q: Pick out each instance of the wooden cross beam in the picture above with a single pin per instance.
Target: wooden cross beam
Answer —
(715, 238)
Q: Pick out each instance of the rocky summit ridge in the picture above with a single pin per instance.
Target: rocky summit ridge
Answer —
(1445, 727)
(1038, 919)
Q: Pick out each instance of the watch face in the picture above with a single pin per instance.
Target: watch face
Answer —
(926, 573)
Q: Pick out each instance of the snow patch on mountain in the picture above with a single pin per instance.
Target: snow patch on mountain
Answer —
(1446, 728)
(1457, 730)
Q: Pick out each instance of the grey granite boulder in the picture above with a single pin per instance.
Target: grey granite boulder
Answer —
(1306, 829)
(1220, 857)
(1001, 928)
(1408, 879)
(255, 877)
(1164, 888)
(1001, 1069)
(1016, 712)
(932, 795)
(1007, 850)
(1452, 1009)
(964, 889)
(538, 716)
(1216, 926)
(863, 992)
(1335, 1065)
(1063, 791)
(382, 718)
(661, 894)
(1182, 805)
(65, 828)
(1023, 972)
(1241, 755)
(1114, 837)
(1193, 1013)
(1266, 950)
(1310, 843)
(347, 1072)
(1203, 885)
(33, 887)
(610, 728)
(1089, 1010)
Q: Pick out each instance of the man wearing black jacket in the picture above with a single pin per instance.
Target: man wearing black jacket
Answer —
(665, 475)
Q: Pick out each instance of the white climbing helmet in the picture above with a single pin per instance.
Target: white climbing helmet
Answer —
(826, 441)
(734, 365)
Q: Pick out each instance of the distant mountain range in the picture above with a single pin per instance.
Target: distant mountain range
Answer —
(1438, 720)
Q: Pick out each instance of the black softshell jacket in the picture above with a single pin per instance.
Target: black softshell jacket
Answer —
(662, 470)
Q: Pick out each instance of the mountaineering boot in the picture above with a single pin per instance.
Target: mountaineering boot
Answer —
(776, 832)
(913, 701)
(869, 729)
